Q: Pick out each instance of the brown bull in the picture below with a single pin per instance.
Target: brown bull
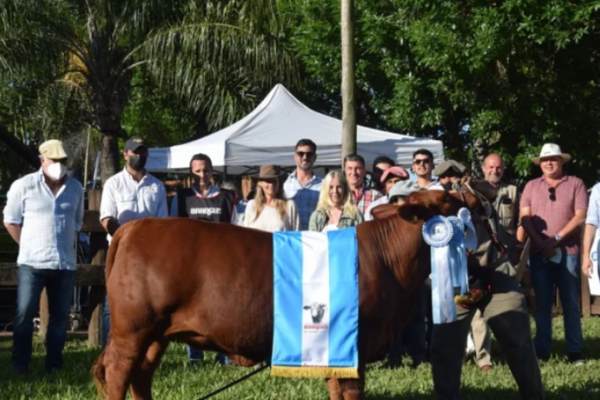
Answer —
(211, 286)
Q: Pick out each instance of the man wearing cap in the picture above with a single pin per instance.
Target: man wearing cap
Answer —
(448, 172)
(553, 208)
(130, 194)
(496, 295)
(204, 201)
(422, 167)
(303, 185)
(388, 179)
(43, 212)
(355, 172)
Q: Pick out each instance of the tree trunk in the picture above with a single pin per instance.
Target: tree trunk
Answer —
(109, 156)
(348, 97)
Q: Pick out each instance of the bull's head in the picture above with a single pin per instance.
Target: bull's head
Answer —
(422, 205)
(317, 311)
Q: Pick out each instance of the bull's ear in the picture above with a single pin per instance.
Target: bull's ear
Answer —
(385, 211)
(414, 212)
(306, 307)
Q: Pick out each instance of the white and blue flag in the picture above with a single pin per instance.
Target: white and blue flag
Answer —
(315, 304)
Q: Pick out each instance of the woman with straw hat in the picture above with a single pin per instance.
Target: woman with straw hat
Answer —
(270, 210)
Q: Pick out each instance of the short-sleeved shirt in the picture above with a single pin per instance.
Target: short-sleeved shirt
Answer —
(306, 198)
(549, 217)
(364, 199)
(593, 213)
(378, 202)
(49, 222)
(126, 199)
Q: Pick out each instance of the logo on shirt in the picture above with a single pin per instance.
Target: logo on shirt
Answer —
(208, 211)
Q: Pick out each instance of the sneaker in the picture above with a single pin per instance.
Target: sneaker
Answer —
(576, 359)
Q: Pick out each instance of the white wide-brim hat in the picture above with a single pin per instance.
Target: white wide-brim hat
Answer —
(551, 150)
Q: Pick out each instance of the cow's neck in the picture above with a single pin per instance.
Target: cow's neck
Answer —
(402, 251)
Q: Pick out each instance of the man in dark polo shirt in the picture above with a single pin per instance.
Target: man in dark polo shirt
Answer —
(208, 202)
(553, 208)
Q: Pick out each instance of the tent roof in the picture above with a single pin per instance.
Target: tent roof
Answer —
(269, 135)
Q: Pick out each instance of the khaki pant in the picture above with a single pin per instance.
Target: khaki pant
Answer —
(481, 340)
(507, 316)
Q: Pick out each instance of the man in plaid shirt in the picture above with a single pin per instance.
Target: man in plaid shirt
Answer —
(354, 169)
(303, 185)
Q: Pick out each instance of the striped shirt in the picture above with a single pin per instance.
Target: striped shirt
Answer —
(49, 222)
(306, 198)
(125, 199)
(550, 216)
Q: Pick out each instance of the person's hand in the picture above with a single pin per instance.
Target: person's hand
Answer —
(586, 267)
(549, 252)
(549, 243)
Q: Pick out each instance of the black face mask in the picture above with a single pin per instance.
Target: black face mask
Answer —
(137, 162)
(447, 186)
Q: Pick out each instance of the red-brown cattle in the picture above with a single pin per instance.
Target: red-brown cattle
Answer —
(211, 286)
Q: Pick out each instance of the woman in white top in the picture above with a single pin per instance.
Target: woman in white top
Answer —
(335, 208)
(270, 210)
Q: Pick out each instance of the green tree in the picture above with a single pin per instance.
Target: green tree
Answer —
(212, 55)
(501, 76)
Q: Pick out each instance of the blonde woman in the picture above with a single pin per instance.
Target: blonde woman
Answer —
(269, 210)
(335, 209)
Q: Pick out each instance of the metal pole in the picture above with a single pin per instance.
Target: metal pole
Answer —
(348, 105)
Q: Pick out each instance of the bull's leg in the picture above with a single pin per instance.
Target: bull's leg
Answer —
(141, 378)
(335, 391)
(354, 389)
(121, 357)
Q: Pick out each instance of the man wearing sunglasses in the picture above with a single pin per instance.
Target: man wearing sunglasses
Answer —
(303, 185)
(423, 167)
(553, 208)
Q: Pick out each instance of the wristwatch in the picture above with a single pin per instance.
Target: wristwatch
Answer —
(558, 238)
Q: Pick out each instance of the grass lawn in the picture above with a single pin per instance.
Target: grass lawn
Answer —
(177, 380)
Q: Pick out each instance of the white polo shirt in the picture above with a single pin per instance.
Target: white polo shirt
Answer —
(125, 199)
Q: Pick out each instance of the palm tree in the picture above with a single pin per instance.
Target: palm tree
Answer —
(213, 55)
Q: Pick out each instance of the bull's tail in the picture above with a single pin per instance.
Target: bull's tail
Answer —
(99, 375)
(112, 251)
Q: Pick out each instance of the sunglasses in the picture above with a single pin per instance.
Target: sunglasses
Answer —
(552, 193)
(422, 161)
(308, 154)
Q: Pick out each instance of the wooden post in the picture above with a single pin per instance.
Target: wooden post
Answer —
(96, 295)
(348, 79)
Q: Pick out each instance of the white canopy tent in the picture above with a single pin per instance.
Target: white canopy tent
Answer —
(268, 135)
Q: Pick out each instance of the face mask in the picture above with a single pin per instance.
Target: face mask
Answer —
(447, 186)
(137, 162)
(56, 171)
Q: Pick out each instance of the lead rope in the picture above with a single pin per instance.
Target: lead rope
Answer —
(243, 378)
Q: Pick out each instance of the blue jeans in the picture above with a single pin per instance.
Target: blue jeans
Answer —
(59, 286)
(544, 276)
(196, 355)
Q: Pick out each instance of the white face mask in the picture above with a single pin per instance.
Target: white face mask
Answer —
(56, 171)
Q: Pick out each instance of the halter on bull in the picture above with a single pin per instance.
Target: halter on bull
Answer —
(218, 293)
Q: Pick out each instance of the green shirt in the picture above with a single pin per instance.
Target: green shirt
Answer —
(319, 219)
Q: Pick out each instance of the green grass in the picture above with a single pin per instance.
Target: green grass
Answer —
(177, 380)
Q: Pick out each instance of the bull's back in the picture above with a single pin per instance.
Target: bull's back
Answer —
(216, 276)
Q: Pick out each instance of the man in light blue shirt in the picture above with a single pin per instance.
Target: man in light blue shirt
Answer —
(43, 212)
(592, 222)
(303, 185)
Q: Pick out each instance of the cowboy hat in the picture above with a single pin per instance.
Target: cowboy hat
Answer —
(268, 172)
(551, 150)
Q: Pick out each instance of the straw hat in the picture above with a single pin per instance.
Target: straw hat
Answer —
(551, 150)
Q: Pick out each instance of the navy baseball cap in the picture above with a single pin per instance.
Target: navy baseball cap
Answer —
(135, 143)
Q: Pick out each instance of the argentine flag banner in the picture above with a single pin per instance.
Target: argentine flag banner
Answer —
(315, 304)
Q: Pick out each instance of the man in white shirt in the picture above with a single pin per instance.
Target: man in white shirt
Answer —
(423, 167)
(130, 194)
(43, 212)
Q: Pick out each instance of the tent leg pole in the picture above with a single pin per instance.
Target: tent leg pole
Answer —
(224, 173)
